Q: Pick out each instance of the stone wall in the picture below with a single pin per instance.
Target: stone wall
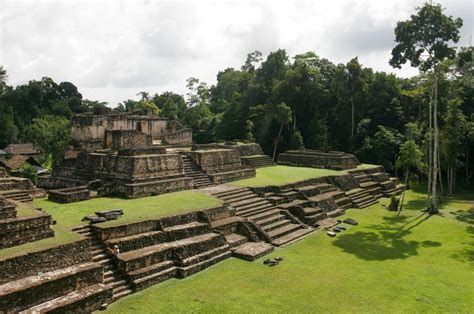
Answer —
(240, 174)
(118, 139)
(86, 127)
(247, 149)
(317, 159)
(16, 231)
(137, 151)
(7, 209)
(217, 160)
(28, 264)
(184, 136)
(116, 166)
(70, 195)
(38, 289)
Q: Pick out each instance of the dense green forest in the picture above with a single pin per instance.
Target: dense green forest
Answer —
(282, 102)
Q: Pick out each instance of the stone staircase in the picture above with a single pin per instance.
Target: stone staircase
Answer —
(180, 247)
(192, 170)
(73, 289)
(257, 161)
(17, 195)
(278, 225)
(315, 202)
(113, 277)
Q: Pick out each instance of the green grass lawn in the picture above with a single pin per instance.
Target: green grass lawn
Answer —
(409, 263)
(280, 175)
(70, 215)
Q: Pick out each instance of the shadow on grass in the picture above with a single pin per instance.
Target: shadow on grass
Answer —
(466, 216)
(386, 242)
(465, 255)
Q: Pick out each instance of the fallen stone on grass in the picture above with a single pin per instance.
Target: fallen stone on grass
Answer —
(273, 263)
(351, 221)
(94, 219)
(278, 258)
(267, 261)
(331, 234)
(340, 228)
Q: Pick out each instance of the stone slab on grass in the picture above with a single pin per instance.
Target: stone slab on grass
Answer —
(251, 251)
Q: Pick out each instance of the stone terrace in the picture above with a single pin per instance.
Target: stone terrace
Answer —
(317, 159)
(16, 230)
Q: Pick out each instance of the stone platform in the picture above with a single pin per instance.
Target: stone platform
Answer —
(317, 159)
(16, 230)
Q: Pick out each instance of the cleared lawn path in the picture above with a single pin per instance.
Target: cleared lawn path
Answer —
(385, 264)
(70, 215)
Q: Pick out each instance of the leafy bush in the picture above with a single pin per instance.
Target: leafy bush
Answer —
(29, 172)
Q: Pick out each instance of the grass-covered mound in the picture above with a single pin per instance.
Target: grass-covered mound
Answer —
(70, 215)
(410, 263)
(281, 175)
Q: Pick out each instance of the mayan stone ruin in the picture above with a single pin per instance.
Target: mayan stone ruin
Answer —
(86, 276)
(133, 156)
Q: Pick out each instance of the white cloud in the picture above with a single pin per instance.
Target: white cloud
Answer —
(113, 49)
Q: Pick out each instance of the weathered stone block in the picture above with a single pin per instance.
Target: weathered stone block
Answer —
(28, 264)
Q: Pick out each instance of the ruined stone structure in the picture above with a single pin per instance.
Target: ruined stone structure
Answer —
(314, 200)
(18, 229)
(129, 172)
(60, 279)
(222, 165)
(119, 154)
(18, 189)
(93, 132)
(251, 154)
(84, 275)
(317, 159)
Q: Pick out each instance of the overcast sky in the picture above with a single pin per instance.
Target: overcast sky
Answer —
(112, 50)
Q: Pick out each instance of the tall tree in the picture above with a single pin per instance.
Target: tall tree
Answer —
(410, 158)
(52, 135)
(283, 117)
(424, 41)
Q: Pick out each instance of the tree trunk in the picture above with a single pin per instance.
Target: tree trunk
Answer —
(438, 160)
(448, 178)
(352, 118)
(430, 141)
(467, 166)
(276, 143)
(407, 173)
(434, 181)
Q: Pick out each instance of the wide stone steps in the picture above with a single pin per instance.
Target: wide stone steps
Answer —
(279, 228)
(239, 197)
(65, 304)
(234, 240)
(276, 225)
(253, 205)
(223, 253)
(154, 278)
(283, 230)
(242, 203)
(258, 161)
(264, 214)
(236, 191)
(192, 170)
(292, 237)
(112, 275)
(17, 195)
(270, 220)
